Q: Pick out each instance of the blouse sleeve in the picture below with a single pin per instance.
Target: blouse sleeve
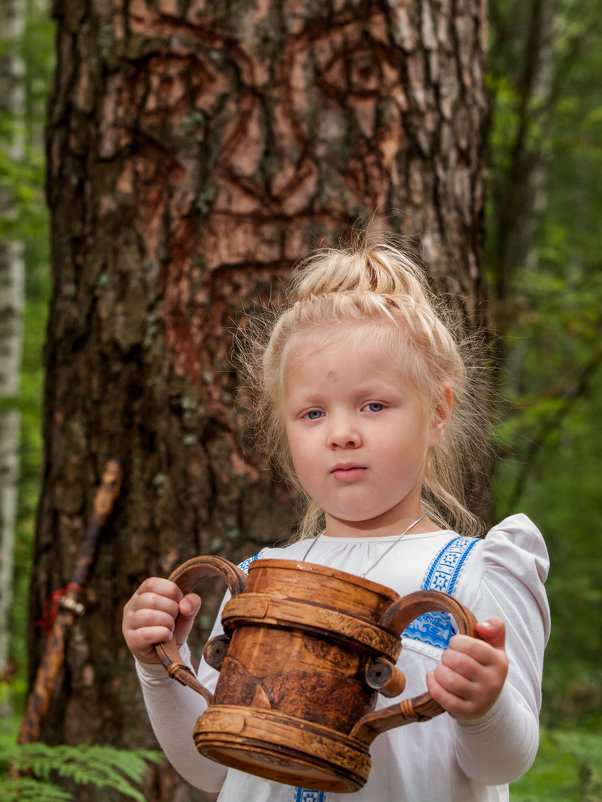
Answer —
(174, 708)
(509, 583)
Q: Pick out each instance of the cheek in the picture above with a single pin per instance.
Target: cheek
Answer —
(427, 428)
(296, 446)
(304, 462)
(288, 447)
(299, 456)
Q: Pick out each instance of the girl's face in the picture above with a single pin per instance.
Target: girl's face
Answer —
(359, 435)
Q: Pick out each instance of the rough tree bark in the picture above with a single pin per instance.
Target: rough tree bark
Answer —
(194, 151)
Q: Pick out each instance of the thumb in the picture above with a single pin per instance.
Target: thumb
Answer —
(493, 632)
(189, 607)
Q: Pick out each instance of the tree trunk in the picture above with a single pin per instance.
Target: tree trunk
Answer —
(12, 278)
(193, 155)
(519, 196)
(9, 476)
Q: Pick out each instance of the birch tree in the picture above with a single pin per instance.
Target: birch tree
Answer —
(12, 109)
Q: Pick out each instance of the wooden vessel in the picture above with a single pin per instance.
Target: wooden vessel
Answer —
(306, 651)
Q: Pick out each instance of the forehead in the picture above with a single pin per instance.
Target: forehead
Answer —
(376, 347)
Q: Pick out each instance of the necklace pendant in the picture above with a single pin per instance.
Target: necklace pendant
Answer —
(384, 554)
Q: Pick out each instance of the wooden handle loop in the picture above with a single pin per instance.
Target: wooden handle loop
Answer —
(381, 673)
(187, 577)
(397, 618)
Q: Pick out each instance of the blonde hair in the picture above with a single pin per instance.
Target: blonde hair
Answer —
(377, 285)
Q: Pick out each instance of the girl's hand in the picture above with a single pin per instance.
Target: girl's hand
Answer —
(472, 672)
(149, 617)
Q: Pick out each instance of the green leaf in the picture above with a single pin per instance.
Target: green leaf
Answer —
(102, 766)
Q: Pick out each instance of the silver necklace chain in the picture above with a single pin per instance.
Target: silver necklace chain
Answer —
(382, 556)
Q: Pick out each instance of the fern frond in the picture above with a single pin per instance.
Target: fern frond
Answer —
(101, 766)
(27, 789)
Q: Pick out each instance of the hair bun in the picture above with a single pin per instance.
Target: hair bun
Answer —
(379, 268)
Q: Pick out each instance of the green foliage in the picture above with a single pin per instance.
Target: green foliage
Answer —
(101, 766)
(561, 494)
(25, 789)
(24, 179)
(548, 438)
(568, 767)
(29, 404)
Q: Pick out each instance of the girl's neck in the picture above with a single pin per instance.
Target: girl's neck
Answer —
(349, 529)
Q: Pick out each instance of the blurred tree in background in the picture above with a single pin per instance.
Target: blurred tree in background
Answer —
(546, 283)
(23, 180)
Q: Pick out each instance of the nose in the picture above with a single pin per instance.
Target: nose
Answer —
(343, 432)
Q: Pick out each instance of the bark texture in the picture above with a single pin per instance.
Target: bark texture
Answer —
(195, 149)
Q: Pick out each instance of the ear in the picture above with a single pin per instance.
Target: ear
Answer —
(444, 403)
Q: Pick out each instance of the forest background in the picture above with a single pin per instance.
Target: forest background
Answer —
(544, 142)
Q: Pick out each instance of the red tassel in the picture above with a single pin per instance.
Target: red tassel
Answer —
(51, 606)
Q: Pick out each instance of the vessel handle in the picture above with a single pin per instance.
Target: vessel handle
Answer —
(187, 577)
(396, 618)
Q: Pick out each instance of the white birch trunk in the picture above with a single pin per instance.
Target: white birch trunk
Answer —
(9, 474)
(12, 101)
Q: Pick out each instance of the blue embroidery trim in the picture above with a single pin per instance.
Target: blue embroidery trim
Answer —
(305, 795)
(244, 565)
(436, 628)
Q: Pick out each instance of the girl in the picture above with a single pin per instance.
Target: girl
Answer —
(364, 401)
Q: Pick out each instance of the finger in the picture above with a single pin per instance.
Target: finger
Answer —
(458, 662)
(473, 648)
(188, 607)
(147, 608)
(155, 593)
(493, 632)
(160, 586)
(150, 610)
(461, 698)
(143, 629)
(455, 683)
(451, 702)
(149, 617)
(145, 639)
(470, 676)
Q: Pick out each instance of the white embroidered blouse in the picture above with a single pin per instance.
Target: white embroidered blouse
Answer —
(442, 759)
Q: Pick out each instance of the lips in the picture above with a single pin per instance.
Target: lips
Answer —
(348, 472)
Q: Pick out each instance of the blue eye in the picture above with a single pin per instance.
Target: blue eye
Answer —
(374, 406)
(313, 414)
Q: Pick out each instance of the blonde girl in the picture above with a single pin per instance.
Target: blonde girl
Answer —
(363, 398)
